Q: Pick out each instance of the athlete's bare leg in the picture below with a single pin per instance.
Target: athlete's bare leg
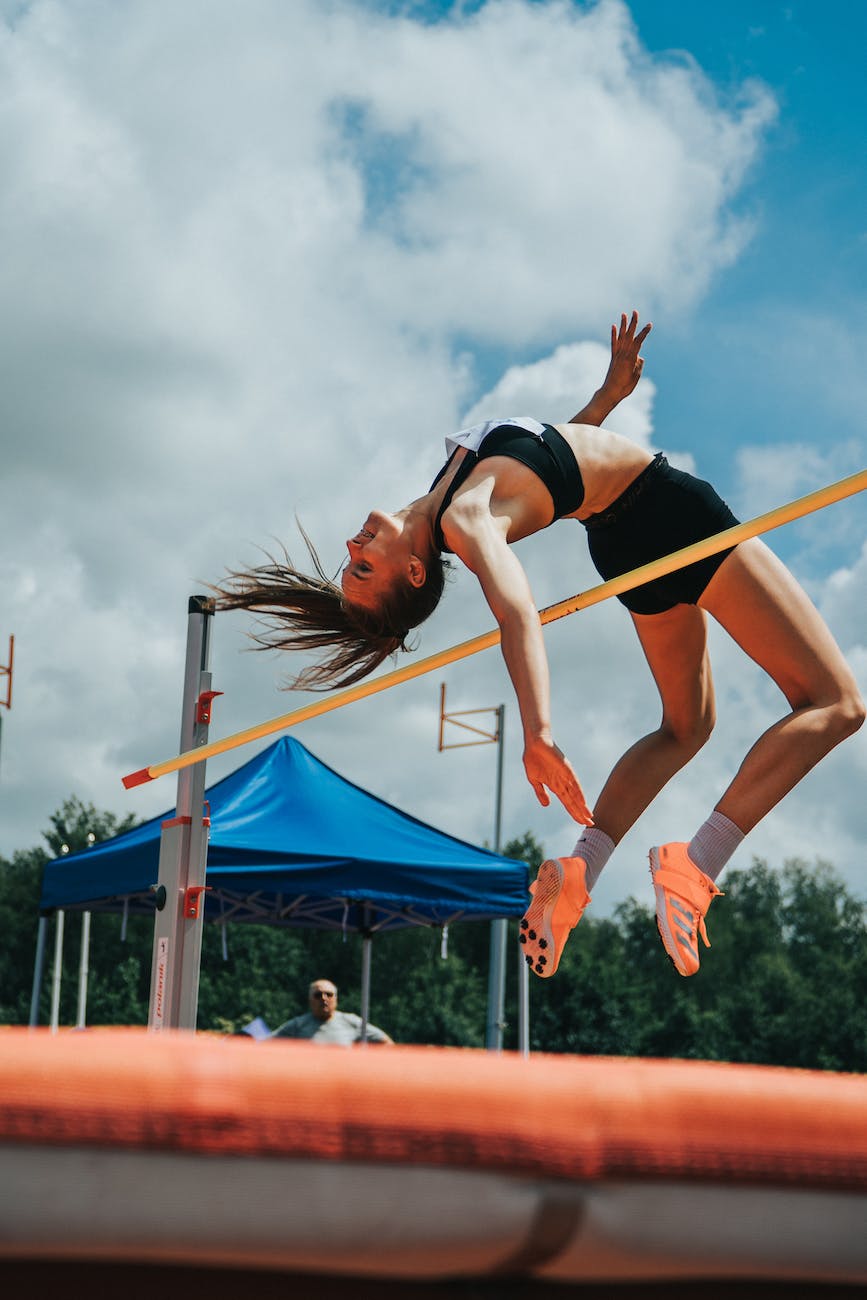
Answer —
(759, 603)
(675, 645)
(755, 598)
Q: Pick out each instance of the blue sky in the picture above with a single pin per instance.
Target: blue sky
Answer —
(809, 193)
(807, 197)
(267, 276)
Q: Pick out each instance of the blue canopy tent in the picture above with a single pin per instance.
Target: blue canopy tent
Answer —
(294, 843)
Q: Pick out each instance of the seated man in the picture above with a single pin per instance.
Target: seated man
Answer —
(323, 1023)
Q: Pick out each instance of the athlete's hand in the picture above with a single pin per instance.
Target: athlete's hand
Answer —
(548, 768)
(624, 370)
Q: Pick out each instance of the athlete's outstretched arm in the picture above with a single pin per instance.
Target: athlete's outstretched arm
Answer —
(476, 538)
(624, 371)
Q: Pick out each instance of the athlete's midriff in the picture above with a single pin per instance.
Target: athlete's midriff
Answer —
(608, 461)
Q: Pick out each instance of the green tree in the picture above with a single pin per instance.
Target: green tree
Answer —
(20, 880)
(76, 826)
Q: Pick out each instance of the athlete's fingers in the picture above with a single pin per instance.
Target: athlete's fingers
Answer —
(541, 793)
(577, 809)
(571, 796)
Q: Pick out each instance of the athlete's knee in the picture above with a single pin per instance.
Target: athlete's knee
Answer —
(849, 713)
(693, 731)
(842, 714)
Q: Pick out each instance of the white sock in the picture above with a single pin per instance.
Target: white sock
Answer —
(714, 843)
(595, 847)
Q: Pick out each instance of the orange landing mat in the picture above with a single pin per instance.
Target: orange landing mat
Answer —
(425, 1164)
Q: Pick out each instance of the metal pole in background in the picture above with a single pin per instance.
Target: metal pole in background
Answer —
(38, 966)
(58, 966)
(499, 928)
(523, 1003)
(366, 954)
(495, 1022)
(6, 671)
(84, 959)
(83, 971)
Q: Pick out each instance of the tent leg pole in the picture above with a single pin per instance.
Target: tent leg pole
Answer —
(366, 942)
(523, 1003)
(58, 971)
(183, 850)
(38, 966)
(83, 971)
(499, 928)
(496, 986)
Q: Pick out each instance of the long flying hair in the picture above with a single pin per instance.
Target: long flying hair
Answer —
(309, 612)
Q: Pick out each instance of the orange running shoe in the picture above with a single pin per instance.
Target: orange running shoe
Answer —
(683, 895)
(559, 898)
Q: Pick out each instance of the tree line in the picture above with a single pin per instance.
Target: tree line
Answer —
(785, 982)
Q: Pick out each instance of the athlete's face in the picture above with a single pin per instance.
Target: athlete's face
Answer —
(379, 556)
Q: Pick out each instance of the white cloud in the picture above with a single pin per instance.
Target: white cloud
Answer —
(775, 475)
(577, 141)
(781, 473)
(554, 388)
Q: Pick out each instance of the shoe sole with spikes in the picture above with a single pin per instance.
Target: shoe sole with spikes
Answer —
(559, 899)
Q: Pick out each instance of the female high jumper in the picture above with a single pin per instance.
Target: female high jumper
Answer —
(504, 481)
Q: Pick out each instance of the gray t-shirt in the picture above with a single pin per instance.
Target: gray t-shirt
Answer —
(343, 1027)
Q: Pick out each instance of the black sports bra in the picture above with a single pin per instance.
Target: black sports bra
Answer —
(547, 454)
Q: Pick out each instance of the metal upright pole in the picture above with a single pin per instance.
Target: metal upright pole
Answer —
(58, 971)
(183, 849)
(500, 927)
(495, 1021)
(6, 671)
(366, 941)
(38, 966)
(83, 970)
(523, 1003)
(498, 811)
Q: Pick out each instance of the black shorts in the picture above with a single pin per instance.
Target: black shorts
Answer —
(663, 510)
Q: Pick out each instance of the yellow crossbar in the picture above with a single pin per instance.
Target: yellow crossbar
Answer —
(806, 505)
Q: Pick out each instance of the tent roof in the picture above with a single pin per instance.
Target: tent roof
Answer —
(292, 842)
